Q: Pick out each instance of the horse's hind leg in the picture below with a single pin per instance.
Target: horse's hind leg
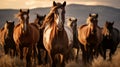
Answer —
(77, 54)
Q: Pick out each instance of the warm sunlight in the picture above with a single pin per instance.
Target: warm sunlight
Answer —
(16, 4)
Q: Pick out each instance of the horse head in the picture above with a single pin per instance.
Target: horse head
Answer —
(59, 14)
(92, 21)
(56, 16)
(39, 19)
(9, 27)
(108, 29)
(23, 17)
(72, 22)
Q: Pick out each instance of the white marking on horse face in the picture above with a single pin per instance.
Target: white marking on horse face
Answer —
(25, 23)
(25, 26)
(59, 19)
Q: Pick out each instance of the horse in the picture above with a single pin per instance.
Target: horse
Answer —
(41, 50)
(110, 39)
(72, 23)
(56, 37)
(90, 37)
(6, 38)
(25, 35)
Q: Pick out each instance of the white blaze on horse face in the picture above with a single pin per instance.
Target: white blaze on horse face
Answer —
(25, 22)
(59, 19)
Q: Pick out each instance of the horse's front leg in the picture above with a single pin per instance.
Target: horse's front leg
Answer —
(21, 52)
(104, 54)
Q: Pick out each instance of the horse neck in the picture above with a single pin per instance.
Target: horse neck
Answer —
(92, 26)
(56, 33)
(27, 27)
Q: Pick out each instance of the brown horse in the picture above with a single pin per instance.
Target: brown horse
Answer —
(90, 37)
(72, 23)
(110, 39)
(6, 37)
(25, 35)
(42, 56)
(55, 37)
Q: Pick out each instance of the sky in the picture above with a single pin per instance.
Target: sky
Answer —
(30, 4)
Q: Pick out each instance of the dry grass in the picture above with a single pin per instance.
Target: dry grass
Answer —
(99, 62)
(7, 61)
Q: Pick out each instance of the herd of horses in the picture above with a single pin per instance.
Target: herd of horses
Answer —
(49, 40)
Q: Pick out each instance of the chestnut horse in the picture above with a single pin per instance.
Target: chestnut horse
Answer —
(56, 38)
(72, 23)
(90, 37)
(25, 35)
(110, 39)
(6, 38)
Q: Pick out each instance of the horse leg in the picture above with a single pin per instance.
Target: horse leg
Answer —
(6, 49)
(39, 56)
(21, 52)
(35, 53)
(53, 59)
(50, 58)
(77, 54)
(90, 54)
(104, 54)
(14, 51)
(112, 51)
(84, 57)
(28, 60)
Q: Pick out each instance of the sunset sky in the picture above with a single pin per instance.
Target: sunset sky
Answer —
(17, 4)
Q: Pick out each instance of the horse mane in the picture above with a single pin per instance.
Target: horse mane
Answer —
(17, 25)
(49, 18)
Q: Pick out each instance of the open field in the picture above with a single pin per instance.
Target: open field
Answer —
(6, 61)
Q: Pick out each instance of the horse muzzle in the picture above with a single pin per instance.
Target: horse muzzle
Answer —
(60, 28)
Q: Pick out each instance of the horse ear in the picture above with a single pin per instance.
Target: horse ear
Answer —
(112, 22)
(70, 19)
(97, 15)
(44, 15)
(28, 11)
(89, 14)
(13, 22)
(37, 16)
(76, 20)
(54, 3)
(6, 21)
(64, 3)
(20, 10)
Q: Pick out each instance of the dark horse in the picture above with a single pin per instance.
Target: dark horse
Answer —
(6, 38)
(90, 37)
(72, 23)
(110, 39)
(42, 57)
(55, 37)
(25, 35)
